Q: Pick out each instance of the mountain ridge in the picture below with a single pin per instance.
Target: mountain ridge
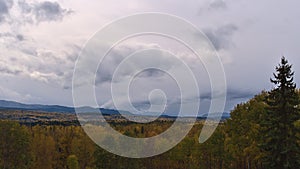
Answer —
(5, 104)
(13, 105)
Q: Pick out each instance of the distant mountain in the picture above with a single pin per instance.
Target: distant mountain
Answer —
(224, 115)
(55, 108)
(35, 107)
(4, 104)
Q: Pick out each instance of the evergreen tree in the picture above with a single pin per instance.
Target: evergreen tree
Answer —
(280, 132)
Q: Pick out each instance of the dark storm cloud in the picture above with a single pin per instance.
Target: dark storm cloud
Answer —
(5, 5)
(49, 11)
(221, 37)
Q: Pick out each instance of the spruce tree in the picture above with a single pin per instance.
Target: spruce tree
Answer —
(280, 132)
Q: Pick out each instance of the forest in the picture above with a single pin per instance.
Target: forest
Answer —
(261, 133)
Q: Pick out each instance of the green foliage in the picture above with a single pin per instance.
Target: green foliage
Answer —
(243, 133)
(43, 148)
(280, 133)
(72, 162)
(14, 146)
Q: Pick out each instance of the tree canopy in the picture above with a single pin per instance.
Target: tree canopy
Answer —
(280, 132)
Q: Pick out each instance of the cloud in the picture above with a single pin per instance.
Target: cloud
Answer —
(110, 63)
(16, 16)
(8, 94)
(20, 37)
(239, 94)
(149, 79)
(212, 5)
(27, 52)
(7, 36)
(24, 12)
(217, 4)
(39, 64)
(5, 5)
(9, 70)
(49, 11)
(222, 36)
(42, 11)
(151, 73)
(231, 94)
(34, 38)
(43, 76)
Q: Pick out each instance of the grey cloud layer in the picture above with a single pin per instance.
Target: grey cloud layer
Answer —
(109, 64)
(22, 55)
(31, 13)
(221, 37)
(250, 37)
(212, 5)
(216, 4)
(5, 5)
(43, 11)
(47, 66)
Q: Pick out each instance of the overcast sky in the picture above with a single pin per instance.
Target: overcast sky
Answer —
(41, 40)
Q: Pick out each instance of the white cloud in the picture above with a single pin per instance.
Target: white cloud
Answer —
(9, 94)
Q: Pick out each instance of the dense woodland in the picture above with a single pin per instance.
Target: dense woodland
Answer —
(261, 133)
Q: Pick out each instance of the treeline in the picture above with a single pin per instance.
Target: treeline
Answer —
(236, 144)
(65, 147)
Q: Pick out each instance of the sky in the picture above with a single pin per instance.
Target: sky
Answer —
(40, 42)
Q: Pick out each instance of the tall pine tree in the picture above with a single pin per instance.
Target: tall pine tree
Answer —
(280, 132)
